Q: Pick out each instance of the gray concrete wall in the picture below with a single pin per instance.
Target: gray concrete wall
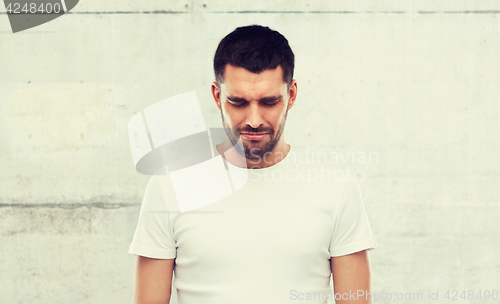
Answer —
(415, 82)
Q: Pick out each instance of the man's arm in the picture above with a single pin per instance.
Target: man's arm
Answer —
(351, 275)
(153, 280)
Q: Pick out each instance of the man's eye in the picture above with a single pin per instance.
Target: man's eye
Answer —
(237, 104)
(272, 103)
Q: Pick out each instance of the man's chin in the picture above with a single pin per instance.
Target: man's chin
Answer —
(256, 152)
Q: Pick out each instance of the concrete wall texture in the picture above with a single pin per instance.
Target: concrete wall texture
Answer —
(415, 82)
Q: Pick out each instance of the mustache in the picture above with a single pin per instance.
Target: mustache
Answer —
(256, 130)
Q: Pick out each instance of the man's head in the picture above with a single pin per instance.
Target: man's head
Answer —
(255, 48)
(254, 87)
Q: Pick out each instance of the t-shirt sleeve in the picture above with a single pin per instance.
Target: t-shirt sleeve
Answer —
(351, 228)
(154, 236)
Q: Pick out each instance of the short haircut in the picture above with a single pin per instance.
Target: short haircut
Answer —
(255, 48)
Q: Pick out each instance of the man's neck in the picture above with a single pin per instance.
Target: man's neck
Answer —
(230, 154)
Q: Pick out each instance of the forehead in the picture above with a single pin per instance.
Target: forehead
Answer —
(239, 82)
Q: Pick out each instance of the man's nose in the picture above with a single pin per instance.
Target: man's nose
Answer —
(254, 116)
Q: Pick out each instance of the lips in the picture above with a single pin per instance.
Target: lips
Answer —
(254, 136)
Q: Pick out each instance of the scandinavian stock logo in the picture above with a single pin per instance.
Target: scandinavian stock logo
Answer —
(170, 137)
(25, 14)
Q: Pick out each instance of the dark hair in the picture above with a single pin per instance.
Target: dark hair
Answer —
(255, 48)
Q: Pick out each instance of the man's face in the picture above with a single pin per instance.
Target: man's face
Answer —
(256, 106)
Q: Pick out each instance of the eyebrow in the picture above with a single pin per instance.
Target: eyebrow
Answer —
(264, 99)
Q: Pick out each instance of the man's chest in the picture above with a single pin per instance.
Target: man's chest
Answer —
(286, 235)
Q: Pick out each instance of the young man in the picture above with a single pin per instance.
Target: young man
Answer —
(278, 238)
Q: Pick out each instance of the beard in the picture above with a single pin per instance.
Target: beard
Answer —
(260, 149)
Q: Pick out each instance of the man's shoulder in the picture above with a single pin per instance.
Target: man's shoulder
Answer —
(160, 191)
(324, 161)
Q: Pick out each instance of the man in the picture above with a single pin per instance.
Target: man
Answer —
(276, 240)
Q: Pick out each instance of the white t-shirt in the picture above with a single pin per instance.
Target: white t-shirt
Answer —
(269, 242)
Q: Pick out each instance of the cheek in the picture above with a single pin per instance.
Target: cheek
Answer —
(279, 116)
(231, 117)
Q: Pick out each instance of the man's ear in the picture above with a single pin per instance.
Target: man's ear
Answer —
(292, 94)
(216, 94)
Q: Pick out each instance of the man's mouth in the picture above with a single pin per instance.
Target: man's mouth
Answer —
(254, 136)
